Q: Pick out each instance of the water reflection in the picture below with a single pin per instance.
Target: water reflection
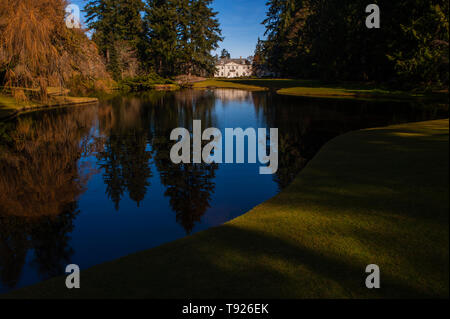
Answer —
(60, 171)
(40, 181)
(305, 125)
(189, 186)
(227, 95)
(125, 157)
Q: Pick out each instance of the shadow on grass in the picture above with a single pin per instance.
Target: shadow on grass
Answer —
(374, 196)
(233, 263)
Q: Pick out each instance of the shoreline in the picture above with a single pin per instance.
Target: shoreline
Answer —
(316, 89)
(302, 244)
(12, 112)
(287, 87)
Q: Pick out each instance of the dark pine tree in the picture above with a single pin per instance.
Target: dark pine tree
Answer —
(116, 23)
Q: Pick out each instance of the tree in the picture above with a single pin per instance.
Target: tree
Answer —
(167, 36)
(421, 53)
(37, 50)
(161, 36)
(286, 50)
(32, 33)
(328, 39)
(225, 54)
(118, 30)
(199, 34)
(259, 63)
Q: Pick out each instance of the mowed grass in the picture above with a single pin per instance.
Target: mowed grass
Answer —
(346, 93)
(376, 196)
(313, 88)
(10, 106)
(228, 84)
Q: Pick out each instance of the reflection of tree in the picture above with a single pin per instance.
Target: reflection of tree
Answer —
(135, 131)
(294, 143)
(125, 158)
(290, 160)
(14, 245)
(41, 181)
(50, 242)
(39, 171)
(189, 186)
(47, 236)
(305, 125)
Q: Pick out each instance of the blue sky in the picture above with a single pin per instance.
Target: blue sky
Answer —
(240, 21)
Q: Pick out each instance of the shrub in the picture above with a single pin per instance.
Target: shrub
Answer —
(142, 83)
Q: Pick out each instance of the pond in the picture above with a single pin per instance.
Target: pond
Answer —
(93, 183)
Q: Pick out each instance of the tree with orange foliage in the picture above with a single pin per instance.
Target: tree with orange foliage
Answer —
(37, 50)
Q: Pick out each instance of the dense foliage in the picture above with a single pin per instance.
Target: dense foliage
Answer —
(225, 54)
(117, 29)
(168, 37)
(37, 50)
(328, 39)
(142, 83)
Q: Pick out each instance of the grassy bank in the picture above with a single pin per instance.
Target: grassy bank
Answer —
(376, 196)
(9, 106)
(311, 88)
(147, 82)
(226, 84)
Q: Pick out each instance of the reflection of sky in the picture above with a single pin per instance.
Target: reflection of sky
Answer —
(240, 22)
(102, 233)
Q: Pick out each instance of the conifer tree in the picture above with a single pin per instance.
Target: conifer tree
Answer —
(328, 39)
(116, 23)
(203, 34)
(225, 54)
(171, 37)
(161, 36)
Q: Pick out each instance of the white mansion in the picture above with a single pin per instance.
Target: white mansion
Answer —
(233, 68)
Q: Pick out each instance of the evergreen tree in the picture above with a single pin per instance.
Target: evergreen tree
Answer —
(421, 52)
(286, 48)
(328, 39)
(171, 37)
(259, 62)
(118, 29)
(225, 54)
(161, 36)
(199, 35)
(131, 20)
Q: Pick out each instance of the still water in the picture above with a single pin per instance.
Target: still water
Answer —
(89, 184)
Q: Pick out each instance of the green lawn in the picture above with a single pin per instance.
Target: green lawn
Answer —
(9, 106)
(376, 196)
(312, 88)
(228, 84)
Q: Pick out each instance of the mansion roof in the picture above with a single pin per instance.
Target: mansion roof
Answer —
(236, 61)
